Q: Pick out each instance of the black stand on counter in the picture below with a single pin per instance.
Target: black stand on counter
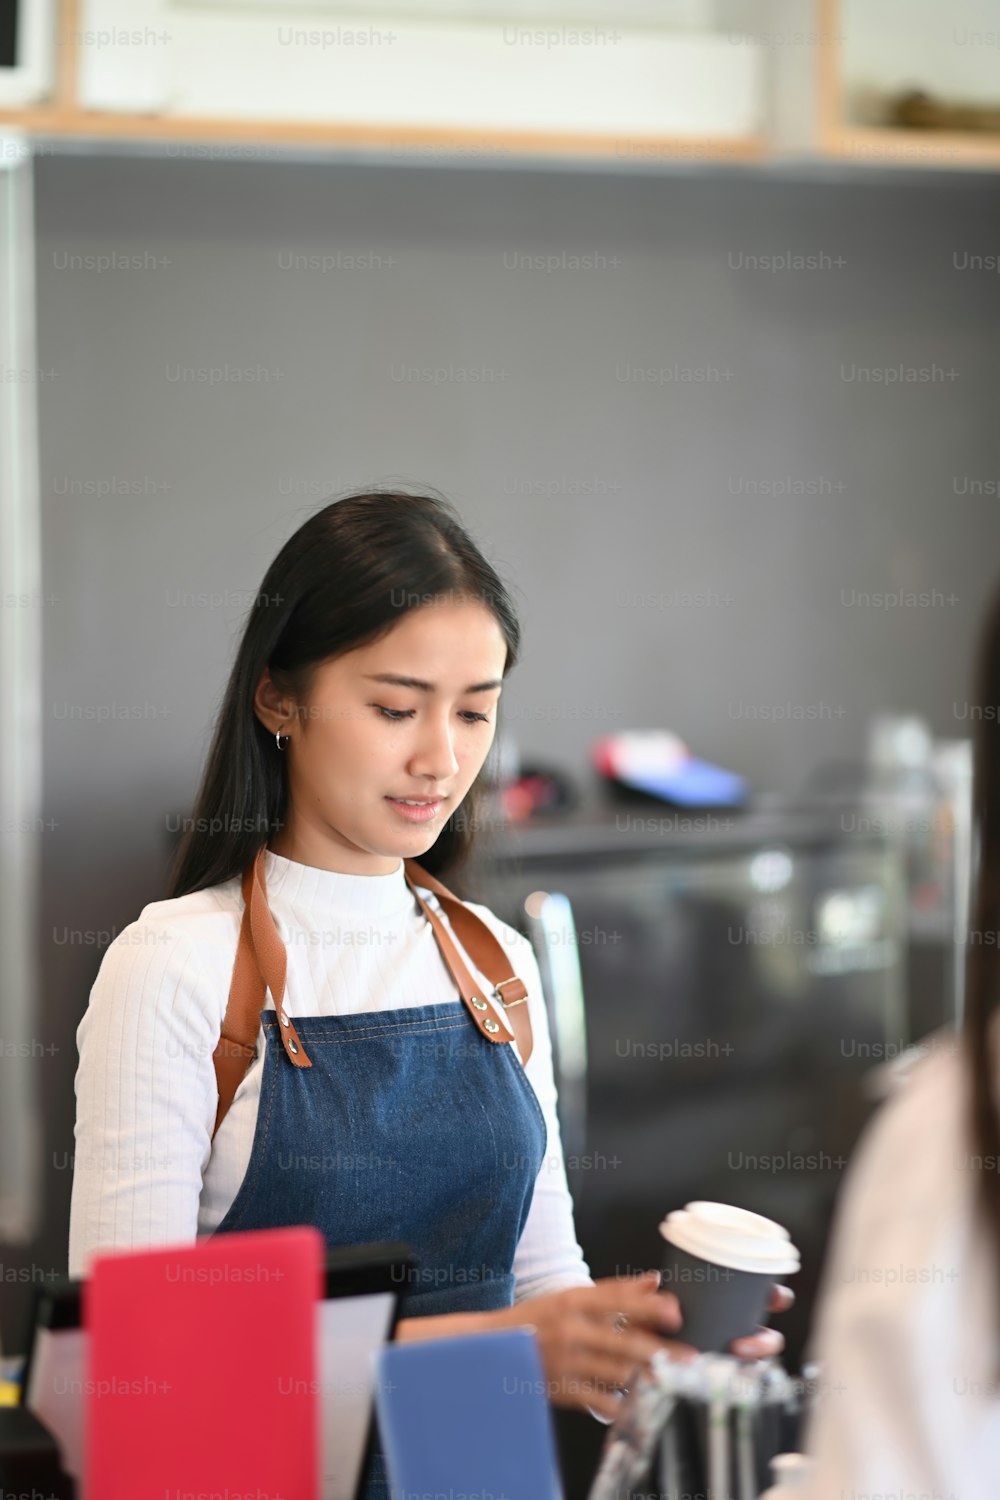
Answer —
(29, 1458)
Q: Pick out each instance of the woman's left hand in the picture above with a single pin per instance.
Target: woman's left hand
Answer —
(767, 1342)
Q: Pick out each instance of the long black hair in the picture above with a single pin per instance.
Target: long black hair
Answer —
(982, 966)
(343, 580)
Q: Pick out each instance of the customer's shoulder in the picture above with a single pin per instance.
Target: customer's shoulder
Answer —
(932, 1069)
(917, 1136)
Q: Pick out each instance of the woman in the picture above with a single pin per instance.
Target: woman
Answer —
(367, 680)
(908, 1327)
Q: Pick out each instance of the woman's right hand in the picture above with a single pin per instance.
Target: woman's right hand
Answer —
(591, 1338)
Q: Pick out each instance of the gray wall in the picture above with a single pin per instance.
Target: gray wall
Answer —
(216, 476)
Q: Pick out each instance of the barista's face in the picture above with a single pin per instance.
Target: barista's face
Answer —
(359, 742)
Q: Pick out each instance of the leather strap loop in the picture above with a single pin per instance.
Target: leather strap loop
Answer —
(262, 964)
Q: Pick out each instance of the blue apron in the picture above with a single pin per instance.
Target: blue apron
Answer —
(408, 1125)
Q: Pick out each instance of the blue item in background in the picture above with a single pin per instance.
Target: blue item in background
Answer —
(658, 763)
(693, 783)
(467, 1416)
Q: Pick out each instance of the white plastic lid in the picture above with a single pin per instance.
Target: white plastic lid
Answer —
(789, 1470)
(732, 1237)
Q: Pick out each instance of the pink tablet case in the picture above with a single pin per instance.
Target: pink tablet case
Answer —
(202, 1367)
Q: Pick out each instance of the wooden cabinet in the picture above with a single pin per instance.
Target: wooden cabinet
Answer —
(936, 62)
(660, 81)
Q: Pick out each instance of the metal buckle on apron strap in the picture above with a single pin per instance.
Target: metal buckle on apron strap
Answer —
(507, 1004)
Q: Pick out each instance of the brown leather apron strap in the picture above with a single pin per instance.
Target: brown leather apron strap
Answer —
(491, 1022)
(488, 956)
(261, 965)
(272, 961)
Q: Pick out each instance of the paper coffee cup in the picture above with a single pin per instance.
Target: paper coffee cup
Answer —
(721, 1263)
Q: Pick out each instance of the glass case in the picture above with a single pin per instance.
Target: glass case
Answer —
(717, 997)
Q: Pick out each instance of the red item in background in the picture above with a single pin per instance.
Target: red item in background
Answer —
(201, 1374)
(537, 790)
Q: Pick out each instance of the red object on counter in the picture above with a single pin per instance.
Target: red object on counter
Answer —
(201, 1373)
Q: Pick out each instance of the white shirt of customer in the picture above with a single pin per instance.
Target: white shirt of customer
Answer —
(906, 1407)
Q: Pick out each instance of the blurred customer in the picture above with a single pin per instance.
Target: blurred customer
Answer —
(908, 1324)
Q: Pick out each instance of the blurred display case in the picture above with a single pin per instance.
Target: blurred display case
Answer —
(916, 792)
(718, 989)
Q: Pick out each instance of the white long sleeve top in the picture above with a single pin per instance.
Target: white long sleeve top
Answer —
(146, 1169)
(907, 1406)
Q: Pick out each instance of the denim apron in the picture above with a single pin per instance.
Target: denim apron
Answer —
(410, 1124)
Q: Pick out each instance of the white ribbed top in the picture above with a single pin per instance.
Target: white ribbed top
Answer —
(146, 1170)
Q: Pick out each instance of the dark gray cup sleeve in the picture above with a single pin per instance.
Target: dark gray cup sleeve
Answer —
(718, 1304)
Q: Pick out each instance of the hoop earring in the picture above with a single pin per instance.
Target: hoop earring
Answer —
(278, 739)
